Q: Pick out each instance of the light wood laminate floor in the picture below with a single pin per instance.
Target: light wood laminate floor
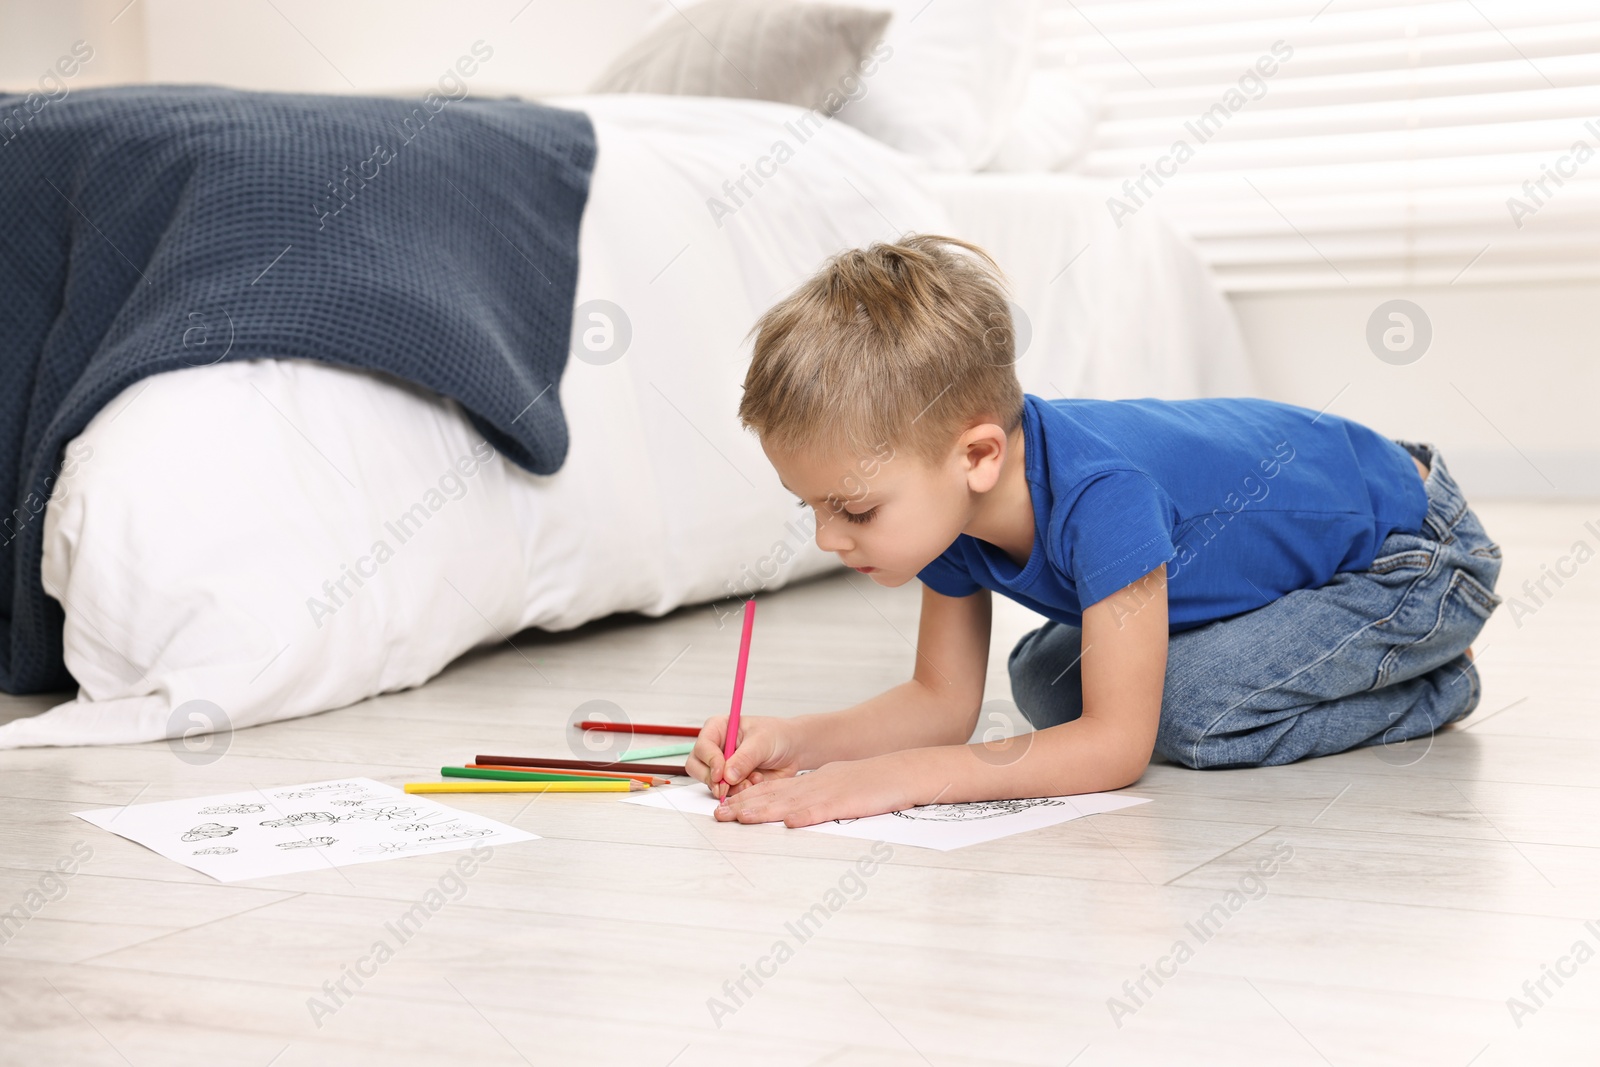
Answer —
(1427, 882)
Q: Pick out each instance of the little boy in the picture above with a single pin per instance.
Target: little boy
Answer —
(1227, 582)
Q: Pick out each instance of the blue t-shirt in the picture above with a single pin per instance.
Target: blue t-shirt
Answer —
(1245, 500)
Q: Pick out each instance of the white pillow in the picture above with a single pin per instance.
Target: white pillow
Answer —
(1053, 127)
(795, 52)
(950, 77)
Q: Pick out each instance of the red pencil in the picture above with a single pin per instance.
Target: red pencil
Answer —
(638, 728)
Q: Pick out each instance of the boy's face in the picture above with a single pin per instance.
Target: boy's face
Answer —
(886, 517)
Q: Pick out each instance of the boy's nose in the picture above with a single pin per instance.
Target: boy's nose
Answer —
(829, 538)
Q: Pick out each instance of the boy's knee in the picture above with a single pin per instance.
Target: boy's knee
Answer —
(1044, 710)
(1195, 739)
(1020, 660)
(1178, 744)
(1044, 685)
(1022, 642)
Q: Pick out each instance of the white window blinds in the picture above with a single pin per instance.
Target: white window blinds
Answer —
(1308, 144)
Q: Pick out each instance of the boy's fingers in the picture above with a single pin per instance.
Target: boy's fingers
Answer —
(708, 749)
(745, 761)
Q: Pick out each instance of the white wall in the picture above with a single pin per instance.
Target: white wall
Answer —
(35, 34)
(1507, 388)
(540, 47)
(371, 46)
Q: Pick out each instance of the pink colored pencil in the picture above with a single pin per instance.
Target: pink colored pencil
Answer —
(730, 742)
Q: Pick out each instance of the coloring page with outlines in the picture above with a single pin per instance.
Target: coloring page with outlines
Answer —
(937, 826)
(291, 828)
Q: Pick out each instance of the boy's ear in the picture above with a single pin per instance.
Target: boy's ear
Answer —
(983, 448)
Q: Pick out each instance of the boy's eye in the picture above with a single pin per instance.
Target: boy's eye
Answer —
(865, 516)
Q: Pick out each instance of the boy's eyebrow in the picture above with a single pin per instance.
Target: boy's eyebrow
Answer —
(803, 500)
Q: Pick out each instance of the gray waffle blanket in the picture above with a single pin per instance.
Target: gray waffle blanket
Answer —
(151, 229)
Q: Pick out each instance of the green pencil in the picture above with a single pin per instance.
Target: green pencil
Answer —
(680, 749)
(523, 776)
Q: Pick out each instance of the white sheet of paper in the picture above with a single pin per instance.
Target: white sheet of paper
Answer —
(290, 828)
(937, 826)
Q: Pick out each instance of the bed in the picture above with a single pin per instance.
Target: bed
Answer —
(258, 591)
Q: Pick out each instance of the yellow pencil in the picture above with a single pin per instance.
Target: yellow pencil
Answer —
(473, 786)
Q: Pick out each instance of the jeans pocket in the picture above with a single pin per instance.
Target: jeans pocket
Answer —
(1463, 608)
(1479, 598)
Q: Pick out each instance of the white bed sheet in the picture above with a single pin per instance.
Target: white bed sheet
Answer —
(222, 502)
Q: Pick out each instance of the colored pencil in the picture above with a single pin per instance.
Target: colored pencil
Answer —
(647, 779)
(638, 728)
(682, 748)
(731, 741)
(524, 787)
(580, 764)
(495, 775)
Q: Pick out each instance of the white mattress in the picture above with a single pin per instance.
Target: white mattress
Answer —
(194, 574)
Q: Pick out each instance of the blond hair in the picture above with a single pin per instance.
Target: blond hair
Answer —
(906, 344)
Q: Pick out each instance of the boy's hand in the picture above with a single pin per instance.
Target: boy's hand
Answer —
(848, 789)
(766, 750)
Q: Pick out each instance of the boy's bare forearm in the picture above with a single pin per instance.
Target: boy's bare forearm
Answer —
(1086, 755)
(904, 717)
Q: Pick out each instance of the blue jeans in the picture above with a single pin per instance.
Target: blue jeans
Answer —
(1372, 657)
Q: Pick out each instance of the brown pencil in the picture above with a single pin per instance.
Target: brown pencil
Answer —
(629, 766)
(647, 779)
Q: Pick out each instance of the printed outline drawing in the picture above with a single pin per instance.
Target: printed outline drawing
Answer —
(301, 817)
(309, 842)
(388, 847)
(233, 809)
(460, 834)
(207, 830)
(319, 790)
(973, 810)
(383, 813)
